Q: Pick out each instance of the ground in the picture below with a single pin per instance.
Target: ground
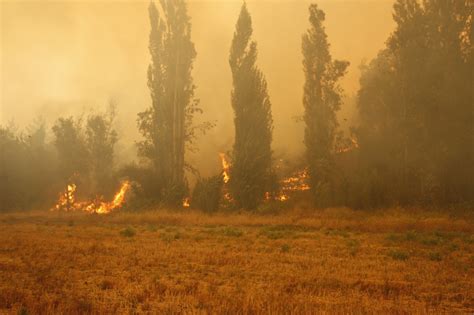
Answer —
(333, 261)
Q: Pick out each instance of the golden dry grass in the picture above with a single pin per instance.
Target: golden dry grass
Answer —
(333, 261)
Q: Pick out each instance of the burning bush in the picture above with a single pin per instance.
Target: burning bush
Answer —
(67, 201)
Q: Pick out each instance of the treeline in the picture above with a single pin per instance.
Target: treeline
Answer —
(34, 171)
(416, 110)
(411, 144)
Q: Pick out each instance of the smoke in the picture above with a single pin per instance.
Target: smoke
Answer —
(67, 58)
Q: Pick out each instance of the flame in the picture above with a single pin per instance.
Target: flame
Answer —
(225, 167)
(67, 201)
(296, 182)
(186, 203)
(120, 196)
(353, 145)
(228, 196)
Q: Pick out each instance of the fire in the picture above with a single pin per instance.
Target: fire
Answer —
(186, 203)
(296, 182)
(67, 201)
(225, 167)
(353, 145)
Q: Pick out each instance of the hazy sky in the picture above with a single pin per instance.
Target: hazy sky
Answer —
(68, 57)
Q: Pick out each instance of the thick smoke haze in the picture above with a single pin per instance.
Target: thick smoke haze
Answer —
(70, 57)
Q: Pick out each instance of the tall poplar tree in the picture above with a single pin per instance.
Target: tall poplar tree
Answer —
(321, 100)
(166, 125)
(251, 168)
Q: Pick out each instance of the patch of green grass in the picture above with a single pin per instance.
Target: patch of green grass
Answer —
(232, 232)
(23, 311)
(285, 248)
(274, 235)
(342, 233)
(398, 255)
(166, 237)
(169, 237)
(152, 228)
(469, 239)
(280, 231)
(353, 246)
(128, 232)
(393, 237)
(411, 236)
(435, 256)
(430, 240)
(453, 247)
(170, 229)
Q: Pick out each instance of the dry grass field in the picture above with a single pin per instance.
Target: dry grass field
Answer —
(334, 261)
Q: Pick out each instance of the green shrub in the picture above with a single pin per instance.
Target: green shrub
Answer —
(398, 255)
(430, 240)
(232, 232)
(207, 193)
(353, 246)
(277, 231)
(152, 228)
(435, 256)
(128, 232)
(285, 248)
(411, 236)
(392, 237)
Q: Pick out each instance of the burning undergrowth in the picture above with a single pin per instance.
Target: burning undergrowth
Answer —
(214, 191)
(67, 201)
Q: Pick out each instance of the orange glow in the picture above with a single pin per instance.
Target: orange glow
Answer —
(353, 145)
(186, 203)
(225, 167)
(67, 201)
(297, 182)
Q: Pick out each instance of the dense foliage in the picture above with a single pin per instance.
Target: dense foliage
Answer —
(166, 125)
(416, 129)
(252, 154)
(412, 142)
(322, 99)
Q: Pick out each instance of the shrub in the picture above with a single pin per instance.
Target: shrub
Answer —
(232, 232)
(435, 256)
(353, 246)
(152, 228)
(128, 232)
(411, 236)
(285, 248)
(398, 255)
(207, 193)
(277, 231)
(430, 240)
(392, 237)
